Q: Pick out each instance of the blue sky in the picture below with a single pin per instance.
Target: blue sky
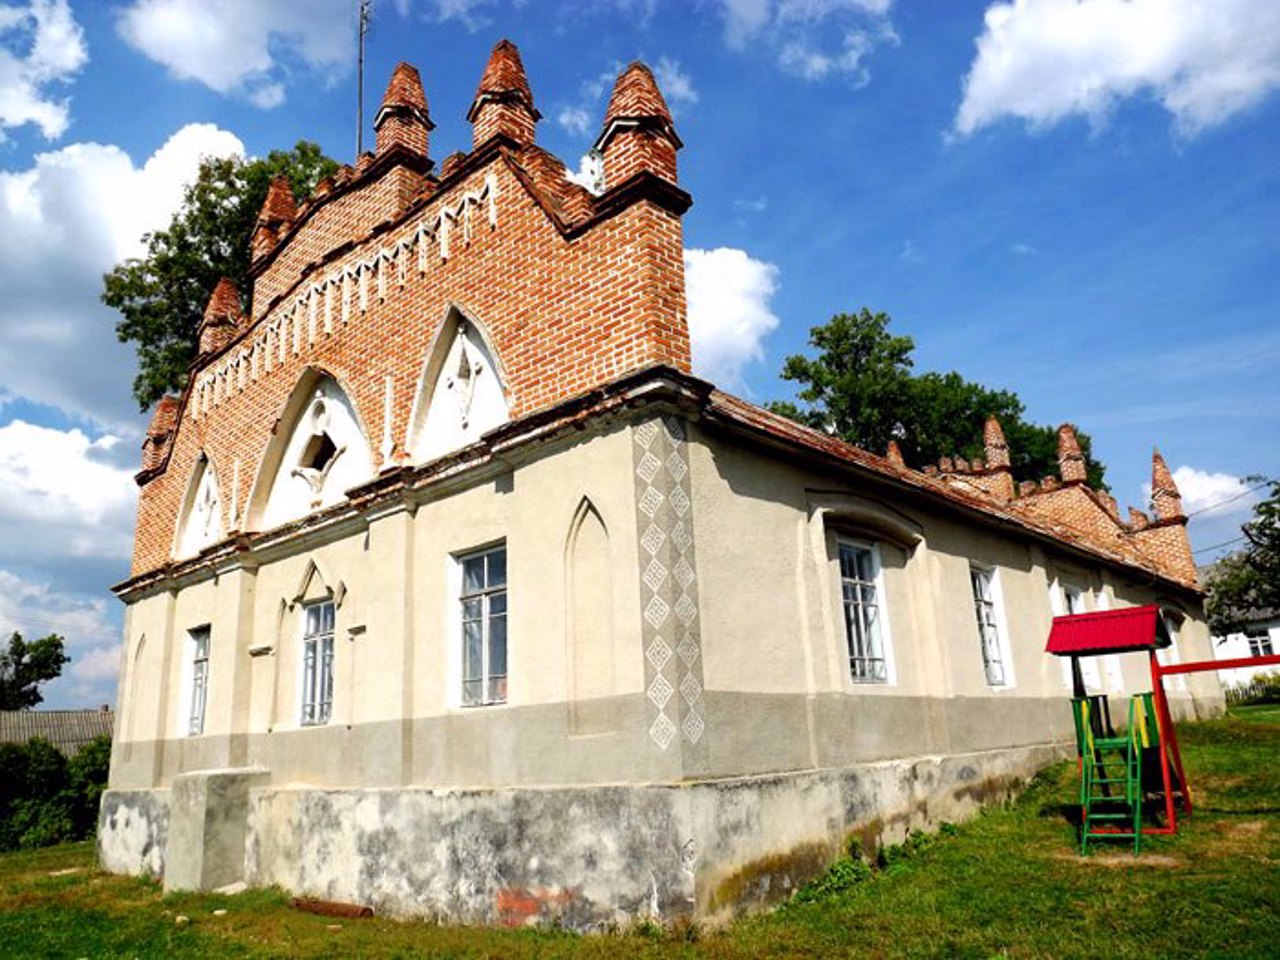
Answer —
(1074, 199)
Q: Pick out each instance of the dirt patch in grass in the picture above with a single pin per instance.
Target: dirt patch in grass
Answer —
(1116, 861)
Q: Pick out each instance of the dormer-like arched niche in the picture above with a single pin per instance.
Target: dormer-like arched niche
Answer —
(319, 452)
(461, 394)
(200, 523)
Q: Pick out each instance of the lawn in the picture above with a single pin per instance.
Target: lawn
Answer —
(1006, 884)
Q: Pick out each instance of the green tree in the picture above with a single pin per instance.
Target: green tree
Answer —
(860, 386)
(24, 666)
(162, 295)
(1242, 584)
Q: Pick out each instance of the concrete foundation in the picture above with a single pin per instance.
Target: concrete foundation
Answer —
(579, 856)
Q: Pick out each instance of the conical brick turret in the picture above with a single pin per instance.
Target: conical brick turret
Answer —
(504, 102)
(402, 119)
(638, 134)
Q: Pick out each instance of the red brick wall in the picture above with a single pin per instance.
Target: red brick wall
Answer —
(563, 314)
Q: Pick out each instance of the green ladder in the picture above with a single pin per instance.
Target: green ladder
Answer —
(1110, 778)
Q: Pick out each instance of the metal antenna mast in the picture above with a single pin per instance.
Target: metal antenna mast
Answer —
(364, 15)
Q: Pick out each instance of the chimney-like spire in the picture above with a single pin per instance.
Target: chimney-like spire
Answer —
(278, 212)
(1165, 498)
(638, 134)
(403, 120)
(1070, 460)
(504, 102)
(159, 432)
(894, 454)
(994, 448)
(222, 318)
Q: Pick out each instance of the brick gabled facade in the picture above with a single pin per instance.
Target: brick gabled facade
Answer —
(572, 290)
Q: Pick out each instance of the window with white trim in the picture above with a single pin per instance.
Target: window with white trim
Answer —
(199, 680)
(984, 607)
(859, 569)
(317, 663)
(483, 603)
(1260, 645)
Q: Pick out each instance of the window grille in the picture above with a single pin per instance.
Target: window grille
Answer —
(199, 680)
(317, 663)
(484, 627)
(989, 633)
(862, 614)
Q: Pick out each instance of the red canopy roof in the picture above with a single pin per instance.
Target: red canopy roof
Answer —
(1108, 631)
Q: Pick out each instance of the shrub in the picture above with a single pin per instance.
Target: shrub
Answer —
(47, 799)
(1264, 688)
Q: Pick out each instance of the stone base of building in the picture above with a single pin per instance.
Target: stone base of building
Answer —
(577, 856)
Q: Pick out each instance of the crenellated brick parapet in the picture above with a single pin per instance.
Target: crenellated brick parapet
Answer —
(358, 283)
(1067, 504)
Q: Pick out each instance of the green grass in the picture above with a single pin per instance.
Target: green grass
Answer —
(1005, 884)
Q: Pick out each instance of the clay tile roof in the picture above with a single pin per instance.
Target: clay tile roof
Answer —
(165, 417)
(504, 73)
(636, 94)
(224, 303)
(279, 205)
(66, 730)
(405, 89)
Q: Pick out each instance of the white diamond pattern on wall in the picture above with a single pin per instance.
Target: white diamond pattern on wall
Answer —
(652, 539)
(668, 582)
(688, 650)
(654, 574)
(660, 691)
(648, 467)
(656, 610)
(659, 653)
(662, 730)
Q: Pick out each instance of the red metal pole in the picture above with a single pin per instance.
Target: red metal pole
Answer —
(1165, 724)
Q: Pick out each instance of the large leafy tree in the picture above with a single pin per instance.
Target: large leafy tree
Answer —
(24, 666)
(162, 295)
(1242, 585)
(861, 387)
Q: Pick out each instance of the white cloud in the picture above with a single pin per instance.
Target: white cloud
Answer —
(1022, 249)
(799, 34)
(61, 496)
(1218, 494)
(909, 252)
(730, 311)
(676, 85)
(36, 609)
(244, 47)
(41, 47)
(575, 119)
(67, 219)
(590, 173)
(1044, 60)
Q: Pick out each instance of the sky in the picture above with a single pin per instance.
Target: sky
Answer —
(1076, 200)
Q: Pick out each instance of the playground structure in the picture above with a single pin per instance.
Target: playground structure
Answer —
(1117, 771)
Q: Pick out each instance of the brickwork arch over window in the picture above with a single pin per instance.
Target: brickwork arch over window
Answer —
(462, 393)
(319, 452)
(200, 522)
